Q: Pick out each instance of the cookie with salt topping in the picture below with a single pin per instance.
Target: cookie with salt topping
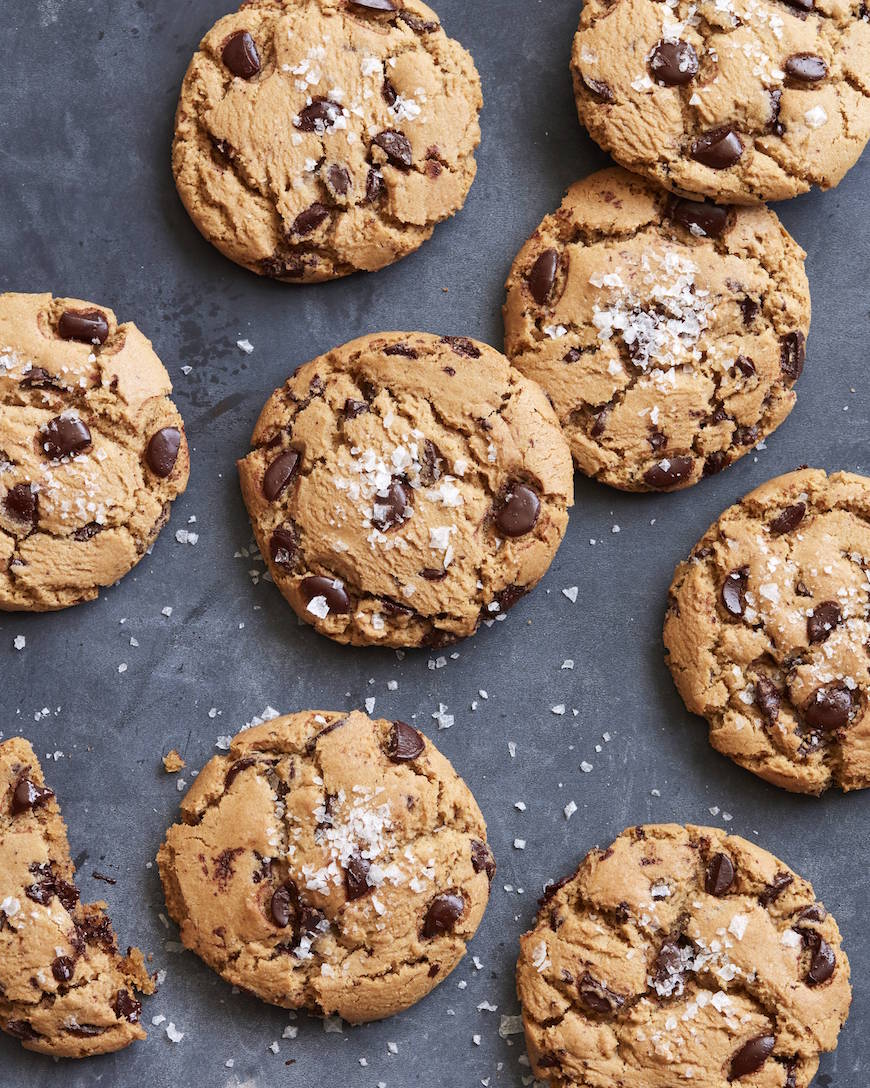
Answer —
(406, 487)
(681, 955)
(92, 450)
(767, 629)
(315, 138)
(329, 862)
(668, 333)
(741, 101)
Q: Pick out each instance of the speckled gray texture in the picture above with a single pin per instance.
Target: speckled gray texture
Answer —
(87, 94)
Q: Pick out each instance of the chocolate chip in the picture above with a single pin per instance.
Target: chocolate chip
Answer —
(543, 276)
(355, 883)
(792, 355)
(599, 425)
(519, 511)
(751, 1056)
(37, 378)
(309, 220)
(599, 89)
(719, 875)
(801, 5)
(806, 67)
(420, 26)
(21, 1029)
(719, 149)
(397, 147)
(774, 125)
(825, 617)
(331, 589)
(734, 591)
(714, 462)
(240, 55)
(281, 906)
(162, 451)
(482, 860)
(669, 472)
(814, 913)
(772, 891)
(27, 795)
(745, 366)
(236, 769)
(64, 436)
(405, 743)
(405, 350)
(317, 115)
(462, 347)
(354, 408)
(338, 179)
(284, 547)
(701, 217)
(749, 308)
(443, 914)
(126, 1007)
(822, 958)
(597, 998)
(392, 509)
(312, 742)
(673, 64)
(389, 93)
(767, 699)
(746, 435)
(789, 519)
(63, 968)
(88, 326)
(829, 707)
(85, 1031)
(433, 575)
(279, 473)
(657, 440)
(22, 504)
(374, 5)
(374, 185)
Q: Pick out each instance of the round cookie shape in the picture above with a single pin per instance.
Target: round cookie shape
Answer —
(329, 862)
(92, 450)
(741, 102)
(681, 955)
(667, 333)
(767, 629)
(315, 138)
(405, 486)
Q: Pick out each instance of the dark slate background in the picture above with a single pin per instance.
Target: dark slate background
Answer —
(87, 94)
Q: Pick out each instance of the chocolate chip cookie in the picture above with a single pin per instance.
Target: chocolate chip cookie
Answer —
(668, 333)
(681, 955)
(329, 862)
(64, 988)
(768, 626)
(315, 138)
(92, 450)
(405, 486)
(738, 100)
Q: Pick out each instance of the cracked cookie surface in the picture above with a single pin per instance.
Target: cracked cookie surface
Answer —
(739, 100)
(667, 333)
(64, 988)
(92, 450)
(315, 138)
(329, 862)
(405, 486)
(681, 955)
(768, 626)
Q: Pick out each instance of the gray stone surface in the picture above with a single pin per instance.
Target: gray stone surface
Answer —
(87, 94)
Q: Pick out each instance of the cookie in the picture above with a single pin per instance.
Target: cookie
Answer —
(64, 988)
(738, 100)
(667, 333)
(405, 486)
(329, 862)
(315, 138)
(681, 955)
(92, 450)
(767, 630)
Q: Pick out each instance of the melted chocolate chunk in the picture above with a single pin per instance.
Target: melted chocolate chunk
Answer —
(338, 180)
(284, 547)
(482, 860)
(64, 436)
(806, 67)
(331, 589)
(767, 699)
(405, 743)
(462, 347)
(701, 217)
(236, 769)
(27, 795)
(734, 591)
(719, 875)
(279, 474)
(669, 472)
(519, 511)
(308, 221)
(820, 625)
(719, 149)
(443, 914)
(22, 504)
(751, 1056)
(126, 1007)
(63, 968)
(830, 707)
(355, 883)
(282, 903)
(789, 519)
(793, 353)
(543, 276)
(374, 185)
(599, 89)
(162, 451)
(822, 958)
(673, 64)
(240, 55)
(397, 147)
(774, 890)
(317, 115)
(597, 998)
(87, 326)
(393, 508)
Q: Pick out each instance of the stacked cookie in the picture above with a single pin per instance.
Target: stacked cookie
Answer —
(405, 487)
